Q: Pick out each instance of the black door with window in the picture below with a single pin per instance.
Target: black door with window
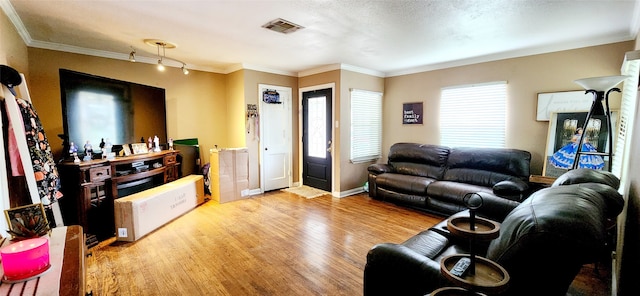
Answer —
(316, 139)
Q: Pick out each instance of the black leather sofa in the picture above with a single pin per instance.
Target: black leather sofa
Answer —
(542, 244)
(436, 178)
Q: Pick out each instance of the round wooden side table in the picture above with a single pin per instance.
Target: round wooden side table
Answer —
(484, 275)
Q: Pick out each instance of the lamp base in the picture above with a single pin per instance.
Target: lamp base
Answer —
(13, 280)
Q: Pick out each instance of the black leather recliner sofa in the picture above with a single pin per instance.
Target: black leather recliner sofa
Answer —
(436, 178)
(542, 244)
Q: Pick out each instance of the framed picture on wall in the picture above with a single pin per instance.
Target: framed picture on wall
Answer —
(412, 113)
(565, 129)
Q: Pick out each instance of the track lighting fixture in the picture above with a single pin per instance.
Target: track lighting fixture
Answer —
(160, 65)
(161, 56)
(132, 55)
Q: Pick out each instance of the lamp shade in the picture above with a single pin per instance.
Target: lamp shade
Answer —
(603, 83)
(25, 259)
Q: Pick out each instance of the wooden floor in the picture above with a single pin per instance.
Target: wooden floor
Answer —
(272, 244)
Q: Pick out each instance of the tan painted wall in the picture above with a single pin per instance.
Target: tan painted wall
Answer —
(251, 81)
(196, 105)
(13, 51)
(235, 109)
(526, 77)
(352, 175)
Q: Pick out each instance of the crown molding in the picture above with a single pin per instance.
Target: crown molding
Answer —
(243, 66)
(363, 70)
(332, 67)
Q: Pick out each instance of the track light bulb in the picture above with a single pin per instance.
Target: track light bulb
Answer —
(160, 65)
(185, 71)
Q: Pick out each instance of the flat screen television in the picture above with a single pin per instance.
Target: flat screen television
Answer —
(97, 108)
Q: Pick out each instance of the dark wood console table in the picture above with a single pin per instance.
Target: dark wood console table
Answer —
(90, 187)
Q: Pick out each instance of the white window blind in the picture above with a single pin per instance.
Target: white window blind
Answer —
(473, 115)
(627, 116)
(366, 125)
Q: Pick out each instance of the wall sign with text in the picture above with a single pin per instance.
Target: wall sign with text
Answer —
(412, 113)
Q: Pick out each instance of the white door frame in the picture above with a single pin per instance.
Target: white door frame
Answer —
(334, 125)
(288, 134)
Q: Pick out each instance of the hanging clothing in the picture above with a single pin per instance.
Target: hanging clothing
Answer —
(44, 167)
(12, 147)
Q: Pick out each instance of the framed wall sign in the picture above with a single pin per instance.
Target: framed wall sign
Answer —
(412, 113)
(565, 101)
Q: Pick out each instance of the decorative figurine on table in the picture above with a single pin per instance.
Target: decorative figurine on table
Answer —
(108, 146)
(150, 144)
(73, 151)
(170, 143)
(156, 144)
(88, 150)
(106, 150)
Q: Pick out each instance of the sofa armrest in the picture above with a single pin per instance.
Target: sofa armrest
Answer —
(514, 189)
(379, 168)
(394, 269)
(495, 207)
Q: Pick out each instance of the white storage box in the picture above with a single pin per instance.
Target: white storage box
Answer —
(138, 214)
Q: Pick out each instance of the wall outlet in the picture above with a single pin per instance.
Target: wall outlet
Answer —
(122, 232)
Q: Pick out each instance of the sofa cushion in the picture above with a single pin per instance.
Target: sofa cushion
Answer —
(427, 243)
(412, 200)
(404, 183)
(453, 192)
(583, 175)
(419, 159)
(487, 166)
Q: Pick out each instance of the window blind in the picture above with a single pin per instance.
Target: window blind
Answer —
(366, 125)
(473, 116)
(627, 116)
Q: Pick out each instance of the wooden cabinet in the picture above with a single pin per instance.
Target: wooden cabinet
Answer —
(90, 188)
(87, 199)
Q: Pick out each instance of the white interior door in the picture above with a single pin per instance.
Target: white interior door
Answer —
(275, 139)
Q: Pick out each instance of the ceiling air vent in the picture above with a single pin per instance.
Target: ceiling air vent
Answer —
(282, 26)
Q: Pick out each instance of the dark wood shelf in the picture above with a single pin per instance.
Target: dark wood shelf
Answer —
(485, 229)
(489, 277)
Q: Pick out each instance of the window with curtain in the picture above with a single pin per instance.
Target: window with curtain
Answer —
(474, 115)
(366, 125)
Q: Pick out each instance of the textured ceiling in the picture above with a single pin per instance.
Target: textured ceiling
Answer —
(385, 37)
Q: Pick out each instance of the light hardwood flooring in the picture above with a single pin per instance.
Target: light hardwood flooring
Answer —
(271, 244)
